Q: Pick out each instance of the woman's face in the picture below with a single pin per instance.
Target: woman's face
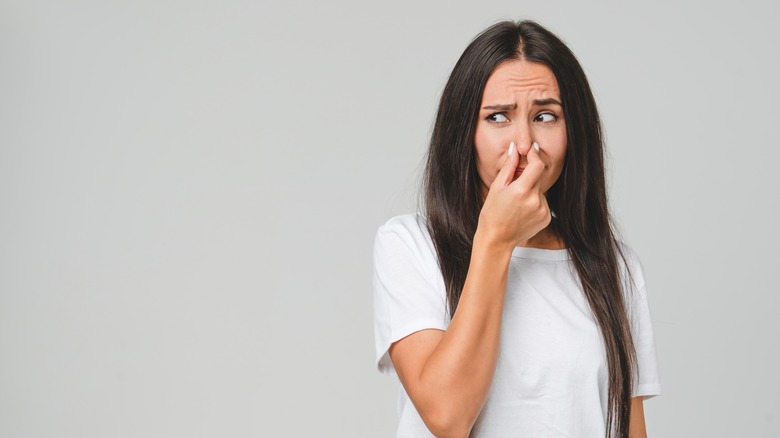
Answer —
(522, 104)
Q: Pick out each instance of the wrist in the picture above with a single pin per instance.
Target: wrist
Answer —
(490, 245)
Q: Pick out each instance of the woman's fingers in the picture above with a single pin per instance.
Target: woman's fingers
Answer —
(531, 176)
(515, 211)
(507, 171)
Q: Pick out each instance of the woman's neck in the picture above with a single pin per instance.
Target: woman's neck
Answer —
(545, 239)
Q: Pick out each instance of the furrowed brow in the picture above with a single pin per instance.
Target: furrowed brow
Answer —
(511, 106)
(548, 101)
(501, 107)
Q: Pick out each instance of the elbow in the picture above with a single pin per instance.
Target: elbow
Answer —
(448, 424)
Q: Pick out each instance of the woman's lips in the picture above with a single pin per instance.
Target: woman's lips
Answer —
(518, 172)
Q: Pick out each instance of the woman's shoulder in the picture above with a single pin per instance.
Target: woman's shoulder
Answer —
(406, 234)
(412, 225)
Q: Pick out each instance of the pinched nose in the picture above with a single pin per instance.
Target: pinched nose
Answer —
(523, 161)
(524, 148)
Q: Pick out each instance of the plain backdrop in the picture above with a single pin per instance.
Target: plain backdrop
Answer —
(190, 192)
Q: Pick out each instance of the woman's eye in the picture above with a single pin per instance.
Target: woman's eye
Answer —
(546, 117)
(497, 118)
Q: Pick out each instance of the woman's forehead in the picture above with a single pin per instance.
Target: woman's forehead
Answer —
(518, 78)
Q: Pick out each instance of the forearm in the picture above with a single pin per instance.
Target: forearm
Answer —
(637, 427)
(458, 374)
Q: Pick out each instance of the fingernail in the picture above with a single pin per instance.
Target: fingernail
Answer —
(536, 146)
(511, 149)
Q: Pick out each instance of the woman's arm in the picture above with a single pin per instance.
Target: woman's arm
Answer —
(636, 428)
(448, 374)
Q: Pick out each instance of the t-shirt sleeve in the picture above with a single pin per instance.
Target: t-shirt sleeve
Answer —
(409, 293)
(647, 381)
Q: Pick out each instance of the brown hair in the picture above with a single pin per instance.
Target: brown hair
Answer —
(453, 197)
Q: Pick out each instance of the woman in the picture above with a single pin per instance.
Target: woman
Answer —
(509, 308)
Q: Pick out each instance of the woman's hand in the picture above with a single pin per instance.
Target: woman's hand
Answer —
(515, 211)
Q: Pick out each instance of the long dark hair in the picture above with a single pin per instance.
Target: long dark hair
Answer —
(453, 197)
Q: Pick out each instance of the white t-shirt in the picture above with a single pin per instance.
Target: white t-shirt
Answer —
(551, 375)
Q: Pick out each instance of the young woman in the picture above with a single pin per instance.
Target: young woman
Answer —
(509, 309)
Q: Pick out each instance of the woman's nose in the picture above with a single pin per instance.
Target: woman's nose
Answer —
(524, 146)
(523, 138)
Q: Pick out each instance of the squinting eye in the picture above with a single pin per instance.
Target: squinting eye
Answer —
(547, 117)
(497, 118)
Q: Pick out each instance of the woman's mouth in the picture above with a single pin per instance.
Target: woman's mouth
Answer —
(518, 172)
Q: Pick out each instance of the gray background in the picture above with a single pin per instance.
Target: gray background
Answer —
(190, 191)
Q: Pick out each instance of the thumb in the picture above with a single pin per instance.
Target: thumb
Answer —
(507, 172)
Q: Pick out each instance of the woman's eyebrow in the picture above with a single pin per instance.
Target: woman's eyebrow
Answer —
(511, 106)
(548, 101)
(501, 107)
